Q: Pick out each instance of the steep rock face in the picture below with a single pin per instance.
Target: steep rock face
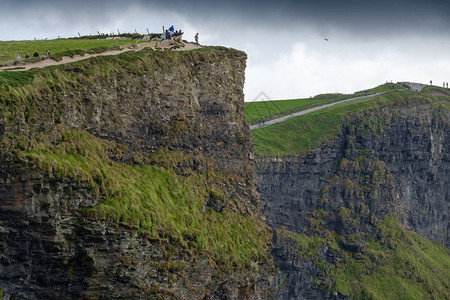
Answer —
(392, 160)
(187, 102)
(48, 252)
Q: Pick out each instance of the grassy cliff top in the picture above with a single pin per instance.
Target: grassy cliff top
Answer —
(268, 110)
(57, 48)
(301, 135)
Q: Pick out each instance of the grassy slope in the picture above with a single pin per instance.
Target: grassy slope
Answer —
(268, 110)
(301, 135)
(154, 200)
(8, 50)
(403, 265)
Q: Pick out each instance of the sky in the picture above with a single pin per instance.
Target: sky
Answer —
(368, 42)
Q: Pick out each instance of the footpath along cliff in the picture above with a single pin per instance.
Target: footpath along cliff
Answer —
(129, 177)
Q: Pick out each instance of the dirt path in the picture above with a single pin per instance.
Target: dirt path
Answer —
(307, 111)
(67, 59)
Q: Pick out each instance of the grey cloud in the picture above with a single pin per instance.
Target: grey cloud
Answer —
(361, 17)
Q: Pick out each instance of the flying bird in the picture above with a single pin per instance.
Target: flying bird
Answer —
(325, 39)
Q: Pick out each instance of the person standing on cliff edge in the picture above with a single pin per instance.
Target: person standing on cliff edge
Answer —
(196, 38)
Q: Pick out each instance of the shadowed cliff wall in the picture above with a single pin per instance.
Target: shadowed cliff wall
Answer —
(393, 160)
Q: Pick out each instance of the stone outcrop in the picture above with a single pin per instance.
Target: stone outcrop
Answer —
(392, 160)
(190, 102)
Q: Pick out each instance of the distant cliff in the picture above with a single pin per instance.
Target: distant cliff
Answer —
(129, 177)
(336, 212)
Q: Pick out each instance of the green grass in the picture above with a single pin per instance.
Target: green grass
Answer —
(384, 88)
(402, 266)
(122, 35)
(152, 199)
(305, 246)
(57, 48)
(301, 135)
(14, 79)
(267, 110)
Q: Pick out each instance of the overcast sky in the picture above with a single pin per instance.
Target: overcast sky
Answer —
(369, 42)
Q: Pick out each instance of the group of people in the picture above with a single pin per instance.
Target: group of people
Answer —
(171, 32)
(444, 84)
(35, 54)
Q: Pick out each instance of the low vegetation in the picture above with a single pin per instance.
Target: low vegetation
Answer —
(304, 246)
(114, 35)
(403, 265)
(384, 88)
(399, 265)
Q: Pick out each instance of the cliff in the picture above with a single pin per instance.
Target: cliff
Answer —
(345, 216)
(129, 177)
